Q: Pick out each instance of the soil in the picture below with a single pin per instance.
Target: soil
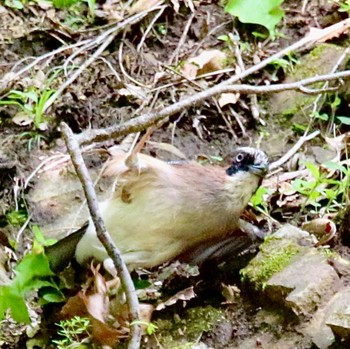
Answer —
(111, 92)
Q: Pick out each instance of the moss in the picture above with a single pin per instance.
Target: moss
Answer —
(275, 254)
(182, 333)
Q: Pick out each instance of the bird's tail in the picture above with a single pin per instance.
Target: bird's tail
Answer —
(63, 251)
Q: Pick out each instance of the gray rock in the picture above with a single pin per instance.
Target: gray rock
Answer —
(305, 284)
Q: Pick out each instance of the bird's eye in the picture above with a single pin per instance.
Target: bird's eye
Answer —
(239, 157)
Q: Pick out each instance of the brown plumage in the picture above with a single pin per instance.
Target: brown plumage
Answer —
(158, 210)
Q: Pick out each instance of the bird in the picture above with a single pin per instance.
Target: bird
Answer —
(158, 210)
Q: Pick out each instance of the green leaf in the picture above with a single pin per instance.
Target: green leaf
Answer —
(40, 238)
(32, 266)
(28, 274)
(223, 38)
(258, 198)
(336, 166)
(17, 4)
(51, 295)
(344, 120)
(64, 3)
(264, 12)
(13, 301)
(315, 171)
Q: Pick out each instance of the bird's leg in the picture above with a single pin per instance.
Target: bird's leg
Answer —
(251, 230)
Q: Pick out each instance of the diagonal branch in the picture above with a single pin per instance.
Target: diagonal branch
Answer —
(143, 121)
(102, 234)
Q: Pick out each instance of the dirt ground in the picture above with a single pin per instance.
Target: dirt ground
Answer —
(142, 70)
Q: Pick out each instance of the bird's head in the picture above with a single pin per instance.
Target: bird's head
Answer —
(250, 160)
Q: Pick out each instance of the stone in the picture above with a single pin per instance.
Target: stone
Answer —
(305, 284)
(329, 320)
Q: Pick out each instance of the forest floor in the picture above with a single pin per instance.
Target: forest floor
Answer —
(150, 64)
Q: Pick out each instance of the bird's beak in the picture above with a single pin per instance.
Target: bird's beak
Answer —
(259, 170)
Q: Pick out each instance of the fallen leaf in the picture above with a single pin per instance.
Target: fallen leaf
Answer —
(168, 148)
(105, 334)
(22, 119)
(338, 143)
(111, 10)
(325, 34)
(183, 295)
(208, 61)
(228, 98)
(231, 293)
(143, 5)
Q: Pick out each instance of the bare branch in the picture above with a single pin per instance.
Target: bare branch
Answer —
(293, 150)
(103, 235)
(143, 121)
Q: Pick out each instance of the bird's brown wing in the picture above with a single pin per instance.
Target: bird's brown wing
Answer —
(134, 174)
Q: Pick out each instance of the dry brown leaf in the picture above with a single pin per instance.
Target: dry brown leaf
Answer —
(338, 143)
(105, 334)
(111, 10)
(231, 293)
(22, 119)
(97, 305)
(146, 312)
(143, 5)
(130, 90)
(168, 148)
(183, 295)
(208, 61)
(75, 306)
(189, 70)
(290, 201)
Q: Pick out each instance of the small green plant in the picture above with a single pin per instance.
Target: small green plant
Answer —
(31, 103)
(323, 188)
(17, 217)
(344, 6)
(258, 200)
(32, 273)
(151, 328)
(75, 333)
(264, 12)
(286, 64)
(65, 4)
(60, 4)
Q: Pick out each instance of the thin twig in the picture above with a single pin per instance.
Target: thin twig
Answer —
(105, 39)
(144, 36)
(175, 54)
(121, 66)
(312, 37)
(293, 150)
(5, 82)
(102, 234)
(143, 121)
